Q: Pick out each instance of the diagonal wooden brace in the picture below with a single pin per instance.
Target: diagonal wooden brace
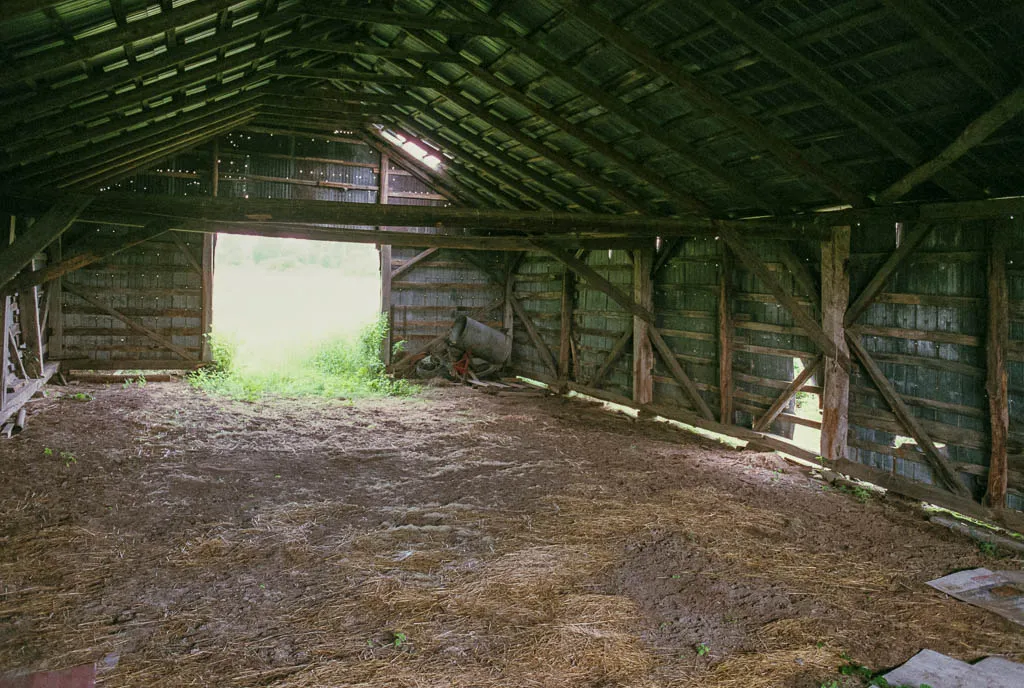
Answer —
(944, 472)
(624, 300)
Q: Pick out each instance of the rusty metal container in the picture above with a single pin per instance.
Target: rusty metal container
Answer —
(485, 342)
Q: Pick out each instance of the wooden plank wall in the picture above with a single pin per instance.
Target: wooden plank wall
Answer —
(157, 285)
(686, 303)
(926, 331)
(598, 322)
(425, 298)
(537, 285)
(767, 343)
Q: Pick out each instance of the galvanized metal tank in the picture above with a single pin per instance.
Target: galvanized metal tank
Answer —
(483, 341)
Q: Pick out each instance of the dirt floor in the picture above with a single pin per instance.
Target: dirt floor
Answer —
(449, 539)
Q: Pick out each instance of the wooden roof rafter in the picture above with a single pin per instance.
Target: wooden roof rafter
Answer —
(465, 162)
(449, 187)
(830, 90)
(521, 167)
(941, 35)
(175, 58)
(529, 47)
(523, 99)
(757, 133)
(480, 111)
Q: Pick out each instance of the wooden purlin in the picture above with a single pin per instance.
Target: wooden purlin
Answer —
(85, 48)
(124, 208)
(830, 90)
(523, 99)
(57, 99)
(952, 44)
(976, 132)
(755, 132)
(466, 164)
(664, 135)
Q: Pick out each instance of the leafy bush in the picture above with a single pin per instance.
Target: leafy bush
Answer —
(337, 368)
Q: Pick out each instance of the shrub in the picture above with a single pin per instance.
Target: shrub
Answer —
(337, 368)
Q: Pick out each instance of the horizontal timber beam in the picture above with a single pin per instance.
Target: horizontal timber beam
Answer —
(254, 211)
(363, 15)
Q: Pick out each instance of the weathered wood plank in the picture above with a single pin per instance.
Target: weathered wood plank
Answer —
(944, 472)
(997, 382)
(668, 357)
(643, 353)
(835, 295)
(412, 262)
(614, 355)
(800, 315)
(52, 224)
(725, 336)
(975, 133)
(159, 339)
(773, 412)
(565, 326)
(913, 239)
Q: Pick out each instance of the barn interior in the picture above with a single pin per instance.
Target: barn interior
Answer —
(685, 215)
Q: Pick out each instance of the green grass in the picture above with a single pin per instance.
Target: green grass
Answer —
(338, 368)
(296, 319)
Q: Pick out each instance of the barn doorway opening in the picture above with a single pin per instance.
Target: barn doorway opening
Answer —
(295, 317)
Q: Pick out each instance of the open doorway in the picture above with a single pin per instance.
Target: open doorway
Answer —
(296, 318)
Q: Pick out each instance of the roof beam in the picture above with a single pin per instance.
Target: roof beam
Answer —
(829, 89)
(153, 155)
(54, 169)
(446, 25)
(54, 221)
(678, 196)
(136, 157)
(650, 128)
(477, 166)
(569, 197)
(39, 64)
(49, 101)
(431, 177)
(135, 98)
(949, 41)
(756, 133)
(107, 206)
(577, 169)
(76, 139)
(11, 9)
(975, 133)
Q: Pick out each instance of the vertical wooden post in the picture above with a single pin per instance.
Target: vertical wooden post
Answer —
(725, 410)
(565, 333)
(29, 322)
(6, 321)
(384, 184)
(643, 352)
(215, 169)
(508, 316)
(55, 321)
(835, 297)
(996, 383)
(5, 324)
(209, 253)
